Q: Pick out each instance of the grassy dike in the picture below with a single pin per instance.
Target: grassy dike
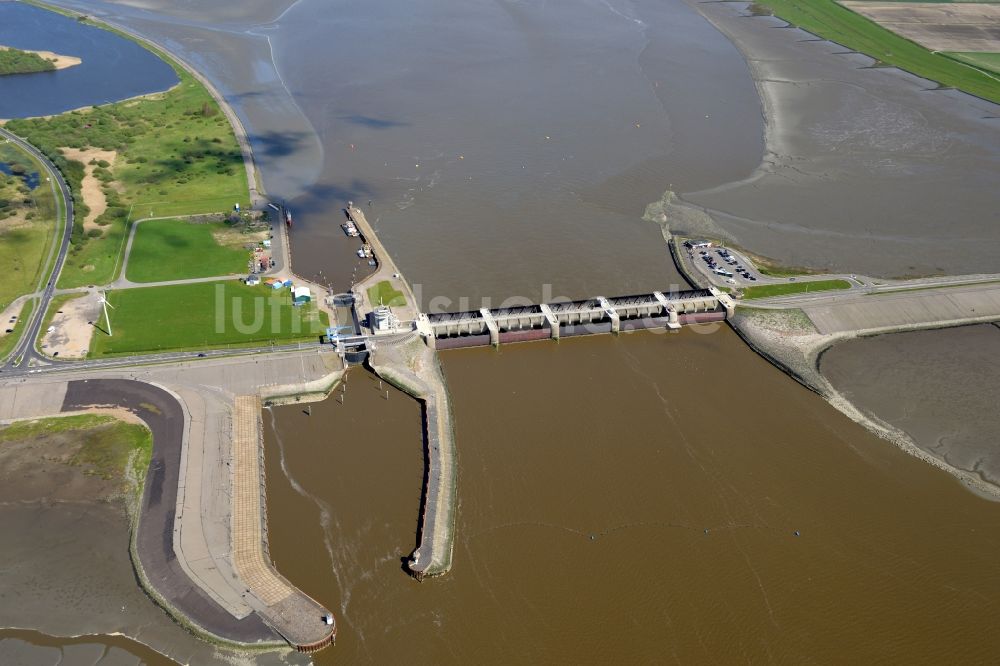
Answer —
(384, 293)
(174, 153)
(988, 61)
(785, 289)
(830, 20)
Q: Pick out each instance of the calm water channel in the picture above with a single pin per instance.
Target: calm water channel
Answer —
(20, 647)
(113, 68)
(645, 498)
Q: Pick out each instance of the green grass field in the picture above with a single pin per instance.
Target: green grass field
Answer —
(177, 155)
(202, 316)
(832, 21)
(177, 249)
(987, 61)
(8, 341)
(384, 293)
(15, 61)
(27, 226)
(767, 290)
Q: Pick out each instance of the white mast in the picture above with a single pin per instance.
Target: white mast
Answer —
(107, 318)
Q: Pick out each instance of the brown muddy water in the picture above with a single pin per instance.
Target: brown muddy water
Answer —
(637, 499)
(505, 145)
(868, 170)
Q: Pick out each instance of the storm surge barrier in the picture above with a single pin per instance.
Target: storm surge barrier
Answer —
(563, 319)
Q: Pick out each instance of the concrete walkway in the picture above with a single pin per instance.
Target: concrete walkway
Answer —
(296, 616)
(386, 271)
(413, 367)
(906, 309)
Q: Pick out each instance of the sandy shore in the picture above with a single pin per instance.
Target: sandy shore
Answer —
(59, 61)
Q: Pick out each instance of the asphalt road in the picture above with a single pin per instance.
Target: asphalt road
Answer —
(154, 539)
(24, 352)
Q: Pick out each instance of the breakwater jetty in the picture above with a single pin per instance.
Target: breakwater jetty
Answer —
(403, 361)
(413, 368)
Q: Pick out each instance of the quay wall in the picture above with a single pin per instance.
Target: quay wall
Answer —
(692, 276)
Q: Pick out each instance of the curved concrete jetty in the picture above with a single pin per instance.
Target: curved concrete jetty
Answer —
(154, 546)
(200, 538)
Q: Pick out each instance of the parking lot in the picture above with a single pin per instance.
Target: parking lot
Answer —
(723, 266)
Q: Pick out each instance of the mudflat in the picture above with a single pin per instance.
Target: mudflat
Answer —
(938, 386)
(48, 468)
(868, 170)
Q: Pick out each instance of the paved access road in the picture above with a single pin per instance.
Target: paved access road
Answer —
(25, 349)
(154, 540)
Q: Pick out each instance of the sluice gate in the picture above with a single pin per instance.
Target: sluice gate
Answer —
(480, 328)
